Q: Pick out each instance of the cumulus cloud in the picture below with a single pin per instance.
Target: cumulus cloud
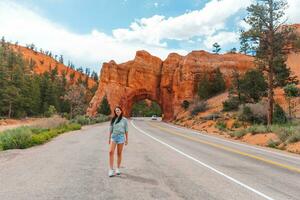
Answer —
(18, 23)
(222, 38)
(204, 26)
(205, 22)
(293, 13)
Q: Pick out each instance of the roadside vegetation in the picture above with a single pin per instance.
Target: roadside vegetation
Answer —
(250, 108)
(28, 136)
(25, 137)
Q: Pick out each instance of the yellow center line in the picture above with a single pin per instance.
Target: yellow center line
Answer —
(291, 168)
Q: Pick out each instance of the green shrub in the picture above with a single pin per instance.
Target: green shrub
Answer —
(221, 125)
(72, 127)
(236, 124)
(86, 120)
(100, 118)
(284, 133)
(257, 128)
(1, 146)
(185, 104)
(273, 144)
(239, 133)
(294, 138)
(279, 116)
(81, 119)
(199, 107)
(18, 138)
(212, 116)
(35, 130)
(51, 111)
(39, 139)
(231, 104)
(253, 113)
(66, 115)
(246, 114)
(25, 137)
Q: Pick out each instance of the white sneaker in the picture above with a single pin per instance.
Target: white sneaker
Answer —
(111, 173)
(118, 171)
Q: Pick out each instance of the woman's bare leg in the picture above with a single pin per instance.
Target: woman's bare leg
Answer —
(111, 154)
(120, 150)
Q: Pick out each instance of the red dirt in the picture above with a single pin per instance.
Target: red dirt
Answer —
(294, 148)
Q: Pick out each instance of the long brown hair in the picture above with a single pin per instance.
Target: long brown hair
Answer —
(116, 116)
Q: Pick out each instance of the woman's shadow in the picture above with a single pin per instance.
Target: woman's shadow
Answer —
(138, 179)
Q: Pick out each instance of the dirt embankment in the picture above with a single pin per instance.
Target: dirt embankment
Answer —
(227, 121)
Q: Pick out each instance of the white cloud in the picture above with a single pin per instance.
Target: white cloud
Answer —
(204, 22)
(206, 26)
(222, 38)
(293, 11)
(18, 23)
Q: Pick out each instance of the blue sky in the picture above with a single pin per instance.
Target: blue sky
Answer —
(91, 32)
(107, 15)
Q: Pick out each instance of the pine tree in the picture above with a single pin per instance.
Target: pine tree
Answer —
(87, 71)
(245, 47)
(80, 69)
(104, 107)
(94, 76)
(217, 48)
(279, 115)
(253, 86)
(61, 59)
(210, 85)
(290, 91)
(204, 88)
(218, 82)
(271, 37)
(10, 99)
(233, 50)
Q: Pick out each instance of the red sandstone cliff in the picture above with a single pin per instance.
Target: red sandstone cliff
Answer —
(168, 82)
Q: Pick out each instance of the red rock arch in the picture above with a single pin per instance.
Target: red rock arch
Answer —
(127, 102)
(168, 82)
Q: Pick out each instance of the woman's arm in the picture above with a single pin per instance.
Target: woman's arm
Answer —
(109, 138)
(126, 136)
(126, 132)
(110, 132)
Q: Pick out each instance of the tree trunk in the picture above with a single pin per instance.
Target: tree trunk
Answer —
(270, 100)
(290, 108)
(270, 63)
(71, 111)
(9, 110)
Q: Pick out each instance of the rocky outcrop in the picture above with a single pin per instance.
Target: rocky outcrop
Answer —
(168, 82)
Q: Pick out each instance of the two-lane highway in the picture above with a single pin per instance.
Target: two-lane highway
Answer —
(161, 161)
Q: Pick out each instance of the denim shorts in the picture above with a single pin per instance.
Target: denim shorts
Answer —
(118, 138)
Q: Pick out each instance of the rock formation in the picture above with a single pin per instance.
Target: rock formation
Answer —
(168, 82)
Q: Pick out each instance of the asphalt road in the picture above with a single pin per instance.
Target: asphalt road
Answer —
(161, 161)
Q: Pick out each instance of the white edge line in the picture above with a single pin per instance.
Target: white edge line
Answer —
(203, 164)
(228, 141)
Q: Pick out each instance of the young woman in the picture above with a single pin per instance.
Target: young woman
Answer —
(118, 135)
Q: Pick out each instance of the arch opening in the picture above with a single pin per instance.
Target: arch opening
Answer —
(145, 108)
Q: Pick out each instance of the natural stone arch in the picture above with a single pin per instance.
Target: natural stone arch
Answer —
(168, 82)
(136, 96)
